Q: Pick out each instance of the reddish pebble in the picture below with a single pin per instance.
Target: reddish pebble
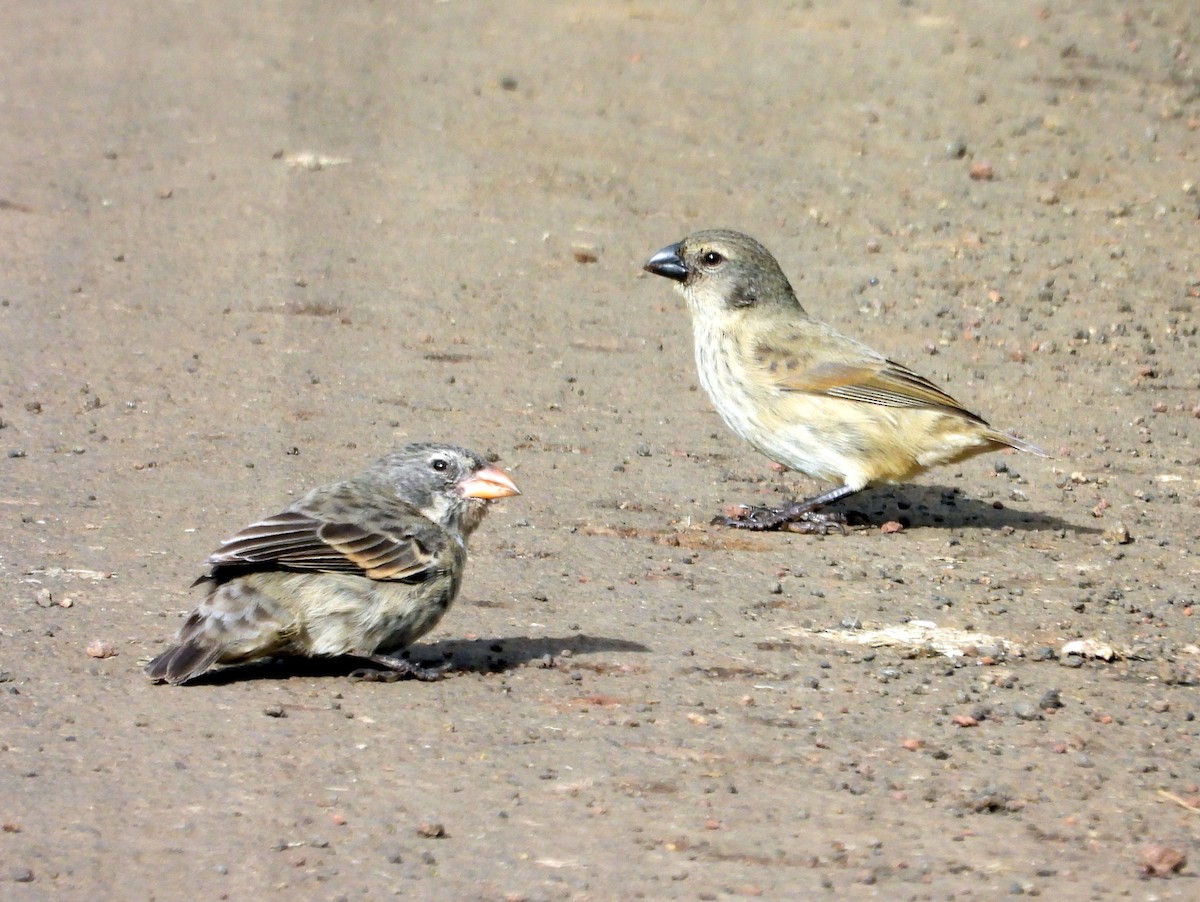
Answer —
(964, 720)
(891, 526)
(912, 745)
(339, 819)
(982, 171)
(1158, 860)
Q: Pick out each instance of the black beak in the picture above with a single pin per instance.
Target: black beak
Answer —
(667, 262)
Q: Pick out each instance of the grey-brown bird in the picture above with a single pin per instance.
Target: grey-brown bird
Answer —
(363, 567)
(802, 393)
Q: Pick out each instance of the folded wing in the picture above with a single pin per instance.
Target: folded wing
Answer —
(867, 378)
(294, 540)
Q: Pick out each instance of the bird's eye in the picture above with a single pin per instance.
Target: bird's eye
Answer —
(712, 258)
(441, 464)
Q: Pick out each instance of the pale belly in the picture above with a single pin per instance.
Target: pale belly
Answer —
(830, 439)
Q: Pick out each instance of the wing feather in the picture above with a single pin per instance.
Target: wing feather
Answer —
(403, 549)
(792, 365)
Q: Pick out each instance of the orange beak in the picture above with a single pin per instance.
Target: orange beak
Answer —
(489, 484)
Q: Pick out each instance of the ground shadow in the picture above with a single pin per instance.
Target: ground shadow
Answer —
(939, 506)
(457, 655)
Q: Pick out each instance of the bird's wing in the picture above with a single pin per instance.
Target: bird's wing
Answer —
(294, 540)
(865, 377)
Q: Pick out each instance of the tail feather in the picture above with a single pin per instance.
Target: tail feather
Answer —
(1011, 441)
(183, 662)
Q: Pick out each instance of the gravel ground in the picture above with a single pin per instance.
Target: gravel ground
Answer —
(246, 249)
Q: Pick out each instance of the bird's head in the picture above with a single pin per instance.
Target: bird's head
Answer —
(452, 486)
(719, 271)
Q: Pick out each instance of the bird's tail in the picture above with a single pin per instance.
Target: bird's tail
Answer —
(1011, 441)
(182, 662)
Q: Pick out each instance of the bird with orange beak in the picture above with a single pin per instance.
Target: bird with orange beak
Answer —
(363, 567)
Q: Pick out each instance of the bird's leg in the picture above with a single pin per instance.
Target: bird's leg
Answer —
(800, 516)
(396, 669)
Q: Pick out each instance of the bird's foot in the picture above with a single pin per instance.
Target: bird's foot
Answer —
(793, 518)
(396, 669)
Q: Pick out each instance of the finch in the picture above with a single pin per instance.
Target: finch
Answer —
(802, 393)
(362, 567)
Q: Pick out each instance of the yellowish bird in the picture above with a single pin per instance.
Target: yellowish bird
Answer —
(802, 393)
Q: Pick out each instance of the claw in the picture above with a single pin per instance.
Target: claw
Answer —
(396, 669)
(369, 675)
(789, 519)
(817, 523)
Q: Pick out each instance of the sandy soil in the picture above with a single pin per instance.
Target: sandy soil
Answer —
(249, 247)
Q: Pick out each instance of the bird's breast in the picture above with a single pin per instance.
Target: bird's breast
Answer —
(721, 363)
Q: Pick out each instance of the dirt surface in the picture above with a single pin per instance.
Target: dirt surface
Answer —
(248, 248)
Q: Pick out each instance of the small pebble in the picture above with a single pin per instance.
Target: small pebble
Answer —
(1026, 711)
(982, 171)
(98, 648)
(585, 253)
(1117, 534)
(1051, 700)
(1159, 860)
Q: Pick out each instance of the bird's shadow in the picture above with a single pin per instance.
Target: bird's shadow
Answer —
(455, 655)
(945, 507)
